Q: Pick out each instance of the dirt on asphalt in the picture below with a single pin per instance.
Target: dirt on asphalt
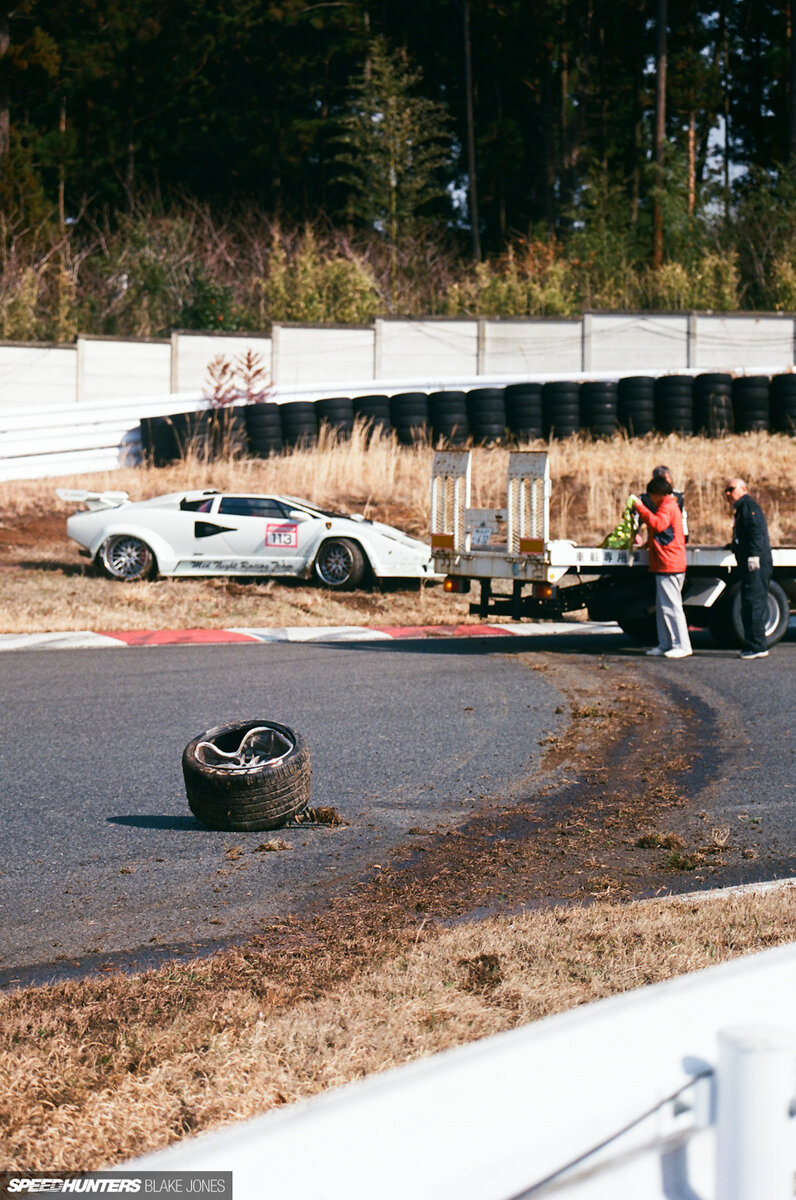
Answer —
(616, 817)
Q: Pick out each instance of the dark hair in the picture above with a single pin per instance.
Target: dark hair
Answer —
(658, 486)
(664, 471)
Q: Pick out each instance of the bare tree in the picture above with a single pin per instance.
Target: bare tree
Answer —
(5, 120)
(472, 178)
(660, 135)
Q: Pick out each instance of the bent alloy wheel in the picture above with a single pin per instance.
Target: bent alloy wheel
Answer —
(247, 776)
(340, 564)
(127, 558)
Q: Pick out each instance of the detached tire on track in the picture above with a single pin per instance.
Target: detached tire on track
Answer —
(261, 796)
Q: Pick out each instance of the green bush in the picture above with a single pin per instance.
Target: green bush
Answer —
(710, 283)
(211, 304)
(159, 267)
(313, 285)
(532, 279)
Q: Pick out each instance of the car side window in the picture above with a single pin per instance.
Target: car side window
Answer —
(197, 505)
(251, 506)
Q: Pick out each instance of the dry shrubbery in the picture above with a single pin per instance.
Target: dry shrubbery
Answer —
(180, 265)
(100, 1070)
(44, 585)
(591, 480)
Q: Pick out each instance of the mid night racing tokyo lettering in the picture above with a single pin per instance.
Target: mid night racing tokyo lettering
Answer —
(234, 566)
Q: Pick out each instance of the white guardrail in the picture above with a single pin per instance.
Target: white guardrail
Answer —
(683, 1091)
(68, 439)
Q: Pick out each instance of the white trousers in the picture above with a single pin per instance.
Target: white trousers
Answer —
(672, 625)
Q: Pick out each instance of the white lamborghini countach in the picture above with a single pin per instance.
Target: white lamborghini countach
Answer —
(225, 533)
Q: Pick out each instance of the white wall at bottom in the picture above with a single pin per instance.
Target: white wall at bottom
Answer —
(626, 1097)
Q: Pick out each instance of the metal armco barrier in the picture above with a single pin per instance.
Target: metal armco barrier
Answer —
(67, 439)
(680, 1091)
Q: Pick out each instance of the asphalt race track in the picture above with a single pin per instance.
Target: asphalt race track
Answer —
(102, 852)
(104, 863)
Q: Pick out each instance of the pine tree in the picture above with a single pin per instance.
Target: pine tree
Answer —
(394, 147)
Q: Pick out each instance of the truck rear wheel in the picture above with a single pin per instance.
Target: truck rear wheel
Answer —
(643, 630)
(726, 625)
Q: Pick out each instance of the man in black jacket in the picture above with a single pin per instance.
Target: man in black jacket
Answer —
(752, 551)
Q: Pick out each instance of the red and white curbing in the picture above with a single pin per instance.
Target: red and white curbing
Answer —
(122, 639)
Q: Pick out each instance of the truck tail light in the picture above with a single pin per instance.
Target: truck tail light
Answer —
(453, 584)
(543, 591)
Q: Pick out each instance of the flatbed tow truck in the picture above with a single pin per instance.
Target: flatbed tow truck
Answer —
(523, 573)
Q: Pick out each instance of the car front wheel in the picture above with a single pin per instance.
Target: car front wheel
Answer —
(340, 564)
(126, 558)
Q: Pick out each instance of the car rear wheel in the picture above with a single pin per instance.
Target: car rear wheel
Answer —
(340, 564)
(126, 558)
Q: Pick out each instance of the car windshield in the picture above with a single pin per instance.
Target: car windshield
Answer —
(314, 509)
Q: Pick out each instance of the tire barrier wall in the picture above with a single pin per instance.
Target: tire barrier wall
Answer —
(208, 433)
(635, 399)
(713, 411)
(710, 405)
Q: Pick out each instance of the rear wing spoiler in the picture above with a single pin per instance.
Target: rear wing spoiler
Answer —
(92, 500)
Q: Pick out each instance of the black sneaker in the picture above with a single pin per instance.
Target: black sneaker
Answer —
(753, 654)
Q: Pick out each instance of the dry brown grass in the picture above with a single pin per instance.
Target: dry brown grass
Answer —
(36, 597)
(44, 583)
(101, 1070)
(591, 480)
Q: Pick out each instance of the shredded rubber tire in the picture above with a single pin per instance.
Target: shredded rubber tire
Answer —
(247, 798)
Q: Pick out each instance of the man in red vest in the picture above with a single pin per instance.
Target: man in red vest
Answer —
(666, 547)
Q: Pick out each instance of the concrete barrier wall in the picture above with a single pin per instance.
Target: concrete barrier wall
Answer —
(192, 353)
(531, 347)
(108, 369)
(635, 341)
(745, 342)
(305, 354)
(53, 387)
(35, 377)
(432, 352)
(425, 349)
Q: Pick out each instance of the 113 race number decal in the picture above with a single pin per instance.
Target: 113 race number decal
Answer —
(282, 535)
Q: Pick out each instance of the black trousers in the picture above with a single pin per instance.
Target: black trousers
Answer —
(754, 607)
